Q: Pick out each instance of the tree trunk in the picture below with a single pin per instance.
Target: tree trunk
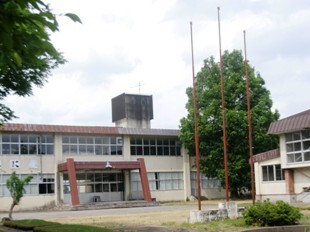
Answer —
(234, 193)
(11, 209)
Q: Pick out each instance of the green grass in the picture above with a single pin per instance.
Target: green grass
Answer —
(71, 228)
(45, 226)
(224, 225)
(305, 219)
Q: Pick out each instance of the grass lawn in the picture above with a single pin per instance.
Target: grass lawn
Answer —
(46, 226)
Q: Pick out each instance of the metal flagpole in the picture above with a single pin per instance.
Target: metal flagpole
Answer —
(249, 119)
(223, 111)
(196, 125)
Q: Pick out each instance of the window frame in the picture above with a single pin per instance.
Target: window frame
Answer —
(155, 146)
(27, 144)
(92, 145)
(297, 146)
(270, 173)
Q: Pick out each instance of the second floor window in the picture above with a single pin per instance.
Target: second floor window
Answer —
(92, 145)
(27, 144)
(155, 146)
(298, 146)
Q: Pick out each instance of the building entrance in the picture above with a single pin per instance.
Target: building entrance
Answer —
(96, 186)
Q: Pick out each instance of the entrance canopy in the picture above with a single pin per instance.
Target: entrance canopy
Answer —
(72, 166)
(85, 165)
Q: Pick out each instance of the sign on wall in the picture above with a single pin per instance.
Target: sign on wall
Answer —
(15, 164)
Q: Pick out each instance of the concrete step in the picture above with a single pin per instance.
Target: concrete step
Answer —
(111, 205)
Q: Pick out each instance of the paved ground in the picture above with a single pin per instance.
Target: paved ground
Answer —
(119, 211)
(100, 212)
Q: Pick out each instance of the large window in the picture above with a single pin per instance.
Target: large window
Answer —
(273, 173)
(92, 145)
(157, 181)
(27, 144)
(40, 184)
(205, 183)
(155, 146)
(298, 146)
(96, 182)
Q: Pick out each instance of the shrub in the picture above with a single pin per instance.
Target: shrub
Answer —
(266, 213)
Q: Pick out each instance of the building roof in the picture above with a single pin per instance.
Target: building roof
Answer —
(100, 130)
(297, 122)
(266, 155)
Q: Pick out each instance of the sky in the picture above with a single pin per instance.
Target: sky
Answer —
(143, 47)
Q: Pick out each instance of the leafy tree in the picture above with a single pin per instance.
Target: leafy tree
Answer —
(26, 53)
(210, 120)
(16, 188)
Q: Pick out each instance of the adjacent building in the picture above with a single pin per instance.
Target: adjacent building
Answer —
(284, 173)
(81, 164)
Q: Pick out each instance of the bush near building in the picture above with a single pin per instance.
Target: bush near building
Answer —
(266, 213)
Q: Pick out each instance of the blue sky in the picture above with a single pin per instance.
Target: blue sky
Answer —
(143, 46)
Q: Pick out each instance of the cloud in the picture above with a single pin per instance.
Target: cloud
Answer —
(143, 46)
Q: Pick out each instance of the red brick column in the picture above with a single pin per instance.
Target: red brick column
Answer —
(144, 181)
(75, 200)
(289, 180)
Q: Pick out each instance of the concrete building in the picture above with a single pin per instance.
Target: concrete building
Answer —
(284, 173)
(82, 164)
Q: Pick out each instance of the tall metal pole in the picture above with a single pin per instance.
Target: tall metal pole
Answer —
(196, 125)
(223, 111)
(249, 119)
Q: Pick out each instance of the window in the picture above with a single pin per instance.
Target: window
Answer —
(273, 173)
(157, 181)
(96, 182)
(298, 146)
(205, 183)
(46, 184)
(92, 145)
(27, 144)
(40, 184)
(155, 146)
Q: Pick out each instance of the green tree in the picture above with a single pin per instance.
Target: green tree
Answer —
(16, 188)
(26, 53)
(210, 131)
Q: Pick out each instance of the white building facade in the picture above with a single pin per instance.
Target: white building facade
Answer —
(284, 173)
(81, 164)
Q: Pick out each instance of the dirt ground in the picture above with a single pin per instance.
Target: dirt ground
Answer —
(164, 220)
(156, 221)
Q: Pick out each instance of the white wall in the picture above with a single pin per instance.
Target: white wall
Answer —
(301, 179)
(268, 187)
(28, 202)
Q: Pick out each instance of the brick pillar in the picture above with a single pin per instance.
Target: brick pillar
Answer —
(289, 180)
(75, 200)
(144, 181)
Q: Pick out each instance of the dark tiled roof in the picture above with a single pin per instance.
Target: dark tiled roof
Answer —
(297, 122)
(266, 155)
(39, 128)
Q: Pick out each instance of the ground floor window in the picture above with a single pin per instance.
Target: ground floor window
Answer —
(96, 182)
(40, 184)
(165, 180)
(205, 183)
(157, 181)
(273, 172)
